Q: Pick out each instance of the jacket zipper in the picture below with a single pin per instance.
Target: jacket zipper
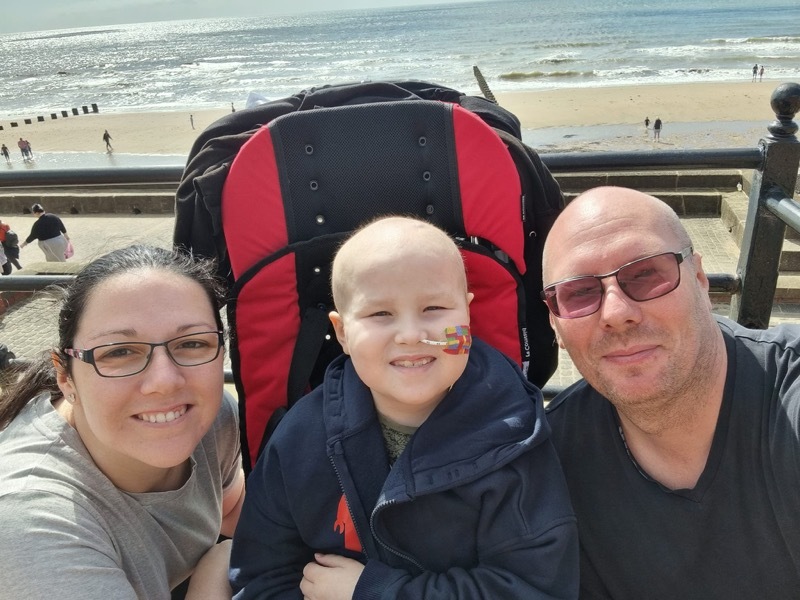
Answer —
(344, 493)
(386, 546)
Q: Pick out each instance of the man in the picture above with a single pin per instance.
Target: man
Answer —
(680, 446)
(107, 139)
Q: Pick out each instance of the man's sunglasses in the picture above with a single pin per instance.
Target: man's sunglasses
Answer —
(644, 279)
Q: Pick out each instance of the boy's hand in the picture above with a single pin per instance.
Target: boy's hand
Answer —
(331, 577)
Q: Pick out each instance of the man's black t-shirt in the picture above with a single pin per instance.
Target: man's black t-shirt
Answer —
(737, 533)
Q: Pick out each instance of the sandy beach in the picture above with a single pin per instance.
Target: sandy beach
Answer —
(554, 120)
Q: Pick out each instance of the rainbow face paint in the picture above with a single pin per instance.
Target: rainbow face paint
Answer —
(458, 340)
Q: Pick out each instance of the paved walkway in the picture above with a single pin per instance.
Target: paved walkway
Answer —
(29, 327)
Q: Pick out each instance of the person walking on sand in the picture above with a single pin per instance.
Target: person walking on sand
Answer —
(191, 120)
(107, 139)
(760, 73)
(755, 71)
(4, 152)
(50, 232)
(23, 148)
(647, 122)
(28, 149)
(657, 130)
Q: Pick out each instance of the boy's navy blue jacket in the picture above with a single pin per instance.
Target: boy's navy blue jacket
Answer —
(475, 507)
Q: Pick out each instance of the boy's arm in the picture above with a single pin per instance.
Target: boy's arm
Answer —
(520, 572)
(268, 555)
(527, 543)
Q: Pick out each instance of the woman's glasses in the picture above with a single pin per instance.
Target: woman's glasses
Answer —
(121, 359)
(644, 279)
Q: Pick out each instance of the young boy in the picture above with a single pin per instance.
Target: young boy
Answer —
(421, 467)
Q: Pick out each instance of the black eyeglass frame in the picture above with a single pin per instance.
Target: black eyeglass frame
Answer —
(87, 355)
(549, 291)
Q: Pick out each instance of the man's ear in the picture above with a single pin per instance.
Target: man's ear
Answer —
(701, 274)
(470, 298)
(338, 327)
(702, 278)
(555, 329)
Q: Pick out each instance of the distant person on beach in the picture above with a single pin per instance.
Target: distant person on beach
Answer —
(5, 264)
(25, 149)
(191, 120)
(760, 73)
(50, 232)
(755, 71)
(107, 139)
(4, 151)
(647, 122)
(680, 445)
(10, 242)
(120, 462)
(232, 108)
(657, 129)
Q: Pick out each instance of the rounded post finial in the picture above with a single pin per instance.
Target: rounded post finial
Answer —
(785, 102)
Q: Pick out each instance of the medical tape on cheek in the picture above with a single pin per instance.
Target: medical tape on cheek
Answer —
(458, 340)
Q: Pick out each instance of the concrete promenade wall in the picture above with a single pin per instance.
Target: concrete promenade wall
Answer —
(680, 189)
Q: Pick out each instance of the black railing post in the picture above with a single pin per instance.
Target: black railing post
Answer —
(764, 231)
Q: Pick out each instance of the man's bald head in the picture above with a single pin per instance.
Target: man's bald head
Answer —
(608, 212)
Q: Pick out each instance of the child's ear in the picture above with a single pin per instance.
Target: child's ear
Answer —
(338, 327)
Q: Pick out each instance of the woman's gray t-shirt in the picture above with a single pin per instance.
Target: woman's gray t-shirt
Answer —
(67, 532)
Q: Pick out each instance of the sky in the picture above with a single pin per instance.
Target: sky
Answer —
(42, 15)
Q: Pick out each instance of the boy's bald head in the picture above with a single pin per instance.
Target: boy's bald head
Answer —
(387, 240)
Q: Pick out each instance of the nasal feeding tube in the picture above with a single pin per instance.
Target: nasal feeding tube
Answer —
(458, 340)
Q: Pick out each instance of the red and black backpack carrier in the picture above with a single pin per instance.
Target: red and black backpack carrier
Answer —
(272, 191)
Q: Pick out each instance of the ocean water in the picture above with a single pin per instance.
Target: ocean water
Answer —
(518, 45)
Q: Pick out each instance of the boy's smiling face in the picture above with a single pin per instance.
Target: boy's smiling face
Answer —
(403, 285)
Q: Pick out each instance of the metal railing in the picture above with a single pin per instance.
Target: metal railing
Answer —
(771, 205)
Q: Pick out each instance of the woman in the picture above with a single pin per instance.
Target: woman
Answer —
(50, 232)
(119, 461)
